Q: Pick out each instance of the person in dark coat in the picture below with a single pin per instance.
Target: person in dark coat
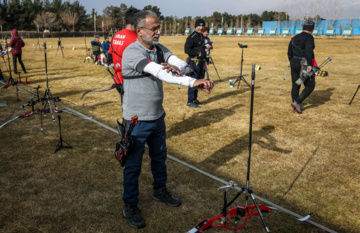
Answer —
(301, 47)
(2, 79)
(195, 48)
(16, 43)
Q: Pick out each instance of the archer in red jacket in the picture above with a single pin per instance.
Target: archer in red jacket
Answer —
(119, 42)
(16, 43)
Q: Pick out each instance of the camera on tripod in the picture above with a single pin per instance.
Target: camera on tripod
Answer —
(242, 45)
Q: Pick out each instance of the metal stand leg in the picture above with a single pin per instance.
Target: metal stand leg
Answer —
(284, 79)
(212, 61)
(241, 77)
(354, 94)
(60, 145)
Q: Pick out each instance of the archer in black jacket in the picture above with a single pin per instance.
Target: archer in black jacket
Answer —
(195, 48)
(301, 46)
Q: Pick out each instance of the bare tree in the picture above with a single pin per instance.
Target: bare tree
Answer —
(237, 22)
(335, 7)
(70, 18)
(285, 6)
(248, 23)
(318, 5)
(293, 15)
(46, 20)
(109, 22)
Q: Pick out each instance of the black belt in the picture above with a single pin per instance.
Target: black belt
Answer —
(297, 57)
(198, 59)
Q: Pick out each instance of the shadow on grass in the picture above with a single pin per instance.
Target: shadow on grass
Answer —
(261, 137)
(55, 79)
(100, 104)
(201, 119)
(227, 94)
(318, 98)
(43, 69)
(301, 171)
(67, 93)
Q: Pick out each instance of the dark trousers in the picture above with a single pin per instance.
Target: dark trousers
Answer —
(1, 75)
(154, 134)
(198, 74)
(96, 54)
(120, 89)
(18, 57)
(309, 84)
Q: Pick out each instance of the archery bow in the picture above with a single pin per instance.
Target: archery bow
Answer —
(107, 89)
(232, 213)
(31, 113)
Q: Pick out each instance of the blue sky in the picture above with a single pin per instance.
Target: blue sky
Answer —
(180, 8)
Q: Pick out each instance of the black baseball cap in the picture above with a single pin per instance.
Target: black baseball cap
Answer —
(309, 25)
(200, 22)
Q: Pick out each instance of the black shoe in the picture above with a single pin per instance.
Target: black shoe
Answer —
(192, 105)
(3, 80)
(25, 72)
(198, 102)
(162, 194)
(132, 214)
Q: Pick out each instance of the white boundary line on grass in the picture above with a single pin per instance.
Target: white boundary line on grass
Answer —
(209, 175)
(199, 170)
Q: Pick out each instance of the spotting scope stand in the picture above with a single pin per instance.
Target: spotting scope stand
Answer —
(211, 61)
(11, 80)
(241, 77)
(38, 44)
(287, 71)
(354, 94)
(48, 97)
(60, 144)
(59, 46)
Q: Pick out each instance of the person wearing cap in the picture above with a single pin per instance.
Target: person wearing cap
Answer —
(96, 45)
(2, 54)
(302, 46)
(208, 46)
(105, 45)
(195, 48)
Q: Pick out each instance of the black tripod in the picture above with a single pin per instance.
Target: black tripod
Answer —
(248, 191)
(4, 52)
(11, 80)
(211, 61)
(241, 77)
(59, 46)
(3, 57)
(60, 145)
(48, 97)
(88, 55)
(38, 44)
(247, 188)
(354, 94)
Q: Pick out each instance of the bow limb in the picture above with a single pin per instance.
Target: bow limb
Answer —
(235, 211)
(108, 89)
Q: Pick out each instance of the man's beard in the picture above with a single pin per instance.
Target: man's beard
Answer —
(150, 40)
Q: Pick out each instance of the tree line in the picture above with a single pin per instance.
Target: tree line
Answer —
(40, 15)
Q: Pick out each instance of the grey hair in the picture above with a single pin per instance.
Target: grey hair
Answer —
(139, 18)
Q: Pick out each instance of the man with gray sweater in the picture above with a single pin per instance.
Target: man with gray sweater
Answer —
(145, 64)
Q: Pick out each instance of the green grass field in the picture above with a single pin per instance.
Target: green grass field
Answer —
(304, 163)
